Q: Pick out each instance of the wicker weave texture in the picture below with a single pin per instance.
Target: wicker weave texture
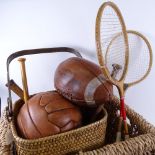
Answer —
(5, 136)
(144, 144)
(85, 138)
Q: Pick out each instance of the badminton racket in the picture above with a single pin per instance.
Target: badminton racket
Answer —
(110, 23)
(140, 58)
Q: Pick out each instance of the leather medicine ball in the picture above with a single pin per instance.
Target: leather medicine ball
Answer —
(47, 114)
(82, 82)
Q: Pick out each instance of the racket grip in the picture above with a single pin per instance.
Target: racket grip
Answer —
(123, 112)
(126, 130)
(118, 134)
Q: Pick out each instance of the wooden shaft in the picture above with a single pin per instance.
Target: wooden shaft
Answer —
(122, 116)
(118, 134)
(116, 69)
(126, 130)
(15, 88)
(24, 79)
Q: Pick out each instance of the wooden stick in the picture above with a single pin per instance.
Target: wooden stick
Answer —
(15, 88)
(24, 79)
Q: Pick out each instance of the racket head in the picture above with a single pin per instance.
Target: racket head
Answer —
(140, 58)
(109, 23)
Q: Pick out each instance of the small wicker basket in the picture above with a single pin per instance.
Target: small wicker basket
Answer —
(142, 144)
(85, 138)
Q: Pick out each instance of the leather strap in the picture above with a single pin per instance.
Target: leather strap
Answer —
(31, 52)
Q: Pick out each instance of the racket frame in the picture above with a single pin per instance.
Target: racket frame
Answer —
(118, 83)
(127, 85)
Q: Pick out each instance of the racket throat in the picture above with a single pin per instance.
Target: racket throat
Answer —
(125, 86)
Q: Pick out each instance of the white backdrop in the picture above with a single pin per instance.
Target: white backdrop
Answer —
(26, 24)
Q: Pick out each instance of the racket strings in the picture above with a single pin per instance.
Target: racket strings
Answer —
(116, 55)
(112, 42)
(139, 59)
(110, 27)
(110, 24)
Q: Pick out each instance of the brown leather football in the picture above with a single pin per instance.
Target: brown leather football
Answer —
(47, 114)
(82, 82)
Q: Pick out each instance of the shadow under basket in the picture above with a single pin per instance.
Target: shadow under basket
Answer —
(142, 135)
(85, 138)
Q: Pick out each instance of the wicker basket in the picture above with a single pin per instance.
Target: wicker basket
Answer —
(85, 138)
(142, 144)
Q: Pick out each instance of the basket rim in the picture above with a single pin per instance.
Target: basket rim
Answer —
(15, 134)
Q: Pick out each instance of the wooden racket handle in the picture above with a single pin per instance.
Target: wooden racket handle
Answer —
(126, 129)
(15, 88)
(122, 118)
(118, 134)
(122, 104)
(123, 113)
(24, 79)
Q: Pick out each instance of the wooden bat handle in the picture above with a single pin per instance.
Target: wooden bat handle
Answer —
(24, 79)
(15, 88)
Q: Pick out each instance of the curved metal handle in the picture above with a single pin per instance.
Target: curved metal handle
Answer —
(32, 52)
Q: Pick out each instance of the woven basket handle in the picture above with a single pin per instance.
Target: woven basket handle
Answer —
(30, 52)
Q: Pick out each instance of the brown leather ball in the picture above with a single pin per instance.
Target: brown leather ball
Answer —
(47, 114)
(82, 82)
